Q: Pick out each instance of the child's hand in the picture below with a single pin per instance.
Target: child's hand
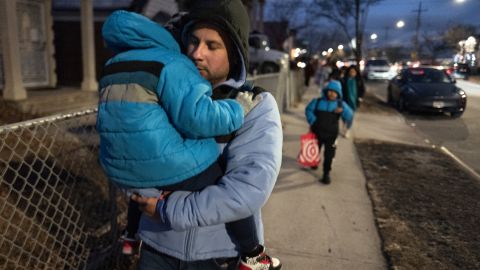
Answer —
(338, 110)
(148, 205)
(247, 101)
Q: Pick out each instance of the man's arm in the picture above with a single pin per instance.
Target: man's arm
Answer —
(253, 163)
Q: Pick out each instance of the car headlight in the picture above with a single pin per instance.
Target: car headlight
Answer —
(301, 65)
(461, 93)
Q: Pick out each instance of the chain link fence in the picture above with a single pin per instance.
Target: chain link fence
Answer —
(57, 209)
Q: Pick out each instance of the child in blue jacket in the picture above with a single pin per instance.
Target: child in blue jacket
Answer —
(157, 120)
(323, 115)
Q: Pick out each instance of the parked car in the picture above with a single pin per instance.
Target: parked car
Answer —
(262, 58)
(459, 71)
(426, 89)
(378, 69)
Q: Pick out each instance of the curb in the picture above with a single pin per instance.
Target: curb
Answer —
(471, 171)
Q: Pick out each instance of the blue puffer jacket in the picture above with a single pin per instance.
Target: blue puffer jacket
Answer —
(155, 116)
(324, 104)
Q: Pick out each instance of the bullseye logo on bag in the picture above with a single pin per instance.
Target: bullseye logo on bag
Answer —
(311, 151)
(309, 155)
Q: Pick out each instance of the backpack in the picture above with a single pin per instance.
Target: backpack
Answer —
(225, 91)
(326, 123)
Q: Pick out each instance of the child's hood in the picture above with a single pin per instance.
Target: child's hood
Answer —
(125, 30)
(335, 86)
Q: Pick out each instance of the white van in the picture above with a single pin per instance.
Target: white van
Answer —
(378, 69)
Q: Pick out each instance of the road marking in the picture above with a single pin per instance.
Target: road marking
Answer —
(472, 89)
(461, 163)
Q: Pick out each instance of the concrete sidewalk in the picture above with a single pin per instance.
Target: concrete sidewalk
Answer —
(309, 225)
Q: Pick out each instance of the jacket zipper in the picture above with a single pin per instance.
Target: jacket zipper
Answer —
(189, 243)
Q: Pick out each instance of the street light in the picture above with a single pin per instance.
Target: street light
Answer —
(373, 36)
(400, 24)
(340, 47)
(459, 1)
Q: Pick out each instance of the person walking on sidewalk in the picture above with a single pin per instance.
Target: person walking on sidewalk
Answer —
(352, 90)
(323, 115)
(190, 230)
(352, 87)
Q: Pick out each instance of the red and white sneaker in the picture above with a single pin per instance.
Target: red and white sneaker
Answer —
(260, 262)
(130, 246)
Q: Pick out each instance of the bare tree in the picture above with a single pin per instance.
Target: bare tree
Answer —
(458, 32)
(345, 14)
(320, 38)
(285, 10)
(433, 44)
(395, 53)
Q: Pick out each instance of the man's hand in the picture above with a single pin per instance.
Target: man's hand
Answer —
(247, 101)
(338, 110)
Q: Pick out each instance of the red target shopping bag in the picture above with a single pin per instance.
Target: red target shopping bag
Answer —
(309, 155)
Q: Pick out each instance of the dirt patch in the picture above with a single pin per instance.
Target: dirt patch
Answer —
(426, 206)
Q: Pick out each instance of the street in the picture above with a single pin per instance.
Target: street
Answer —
(461, 136)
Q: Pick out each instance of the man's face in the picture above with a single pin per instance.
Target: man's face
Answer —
(208, 51)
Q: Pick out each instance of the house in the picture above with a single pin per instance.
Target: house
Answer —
(28, 50)
(50, 44)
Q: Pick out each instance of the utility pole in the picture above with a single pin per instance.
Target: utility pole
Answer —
(385, 39)
(358, 36)
(417, 30)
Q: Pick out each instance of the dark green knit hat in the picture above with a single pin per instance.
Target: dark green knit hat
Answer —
(230, 15)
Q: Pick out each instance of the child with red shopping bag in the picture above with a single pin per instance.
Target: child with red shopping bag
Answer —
(323, 115)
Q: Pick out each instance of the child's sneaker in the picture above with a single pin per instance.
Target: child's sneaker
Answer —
(260, 262)
(130, 246)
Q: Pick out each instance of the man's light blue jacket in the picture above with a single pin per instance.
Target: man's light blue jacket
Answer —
(193, 226)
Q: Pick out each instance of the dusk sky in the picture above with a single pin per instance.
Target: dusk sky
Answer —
(438, 16)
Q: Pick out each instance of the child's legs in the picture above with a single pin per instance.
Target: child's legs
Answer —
(329, 153)
(133, 218)
(245, 232)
